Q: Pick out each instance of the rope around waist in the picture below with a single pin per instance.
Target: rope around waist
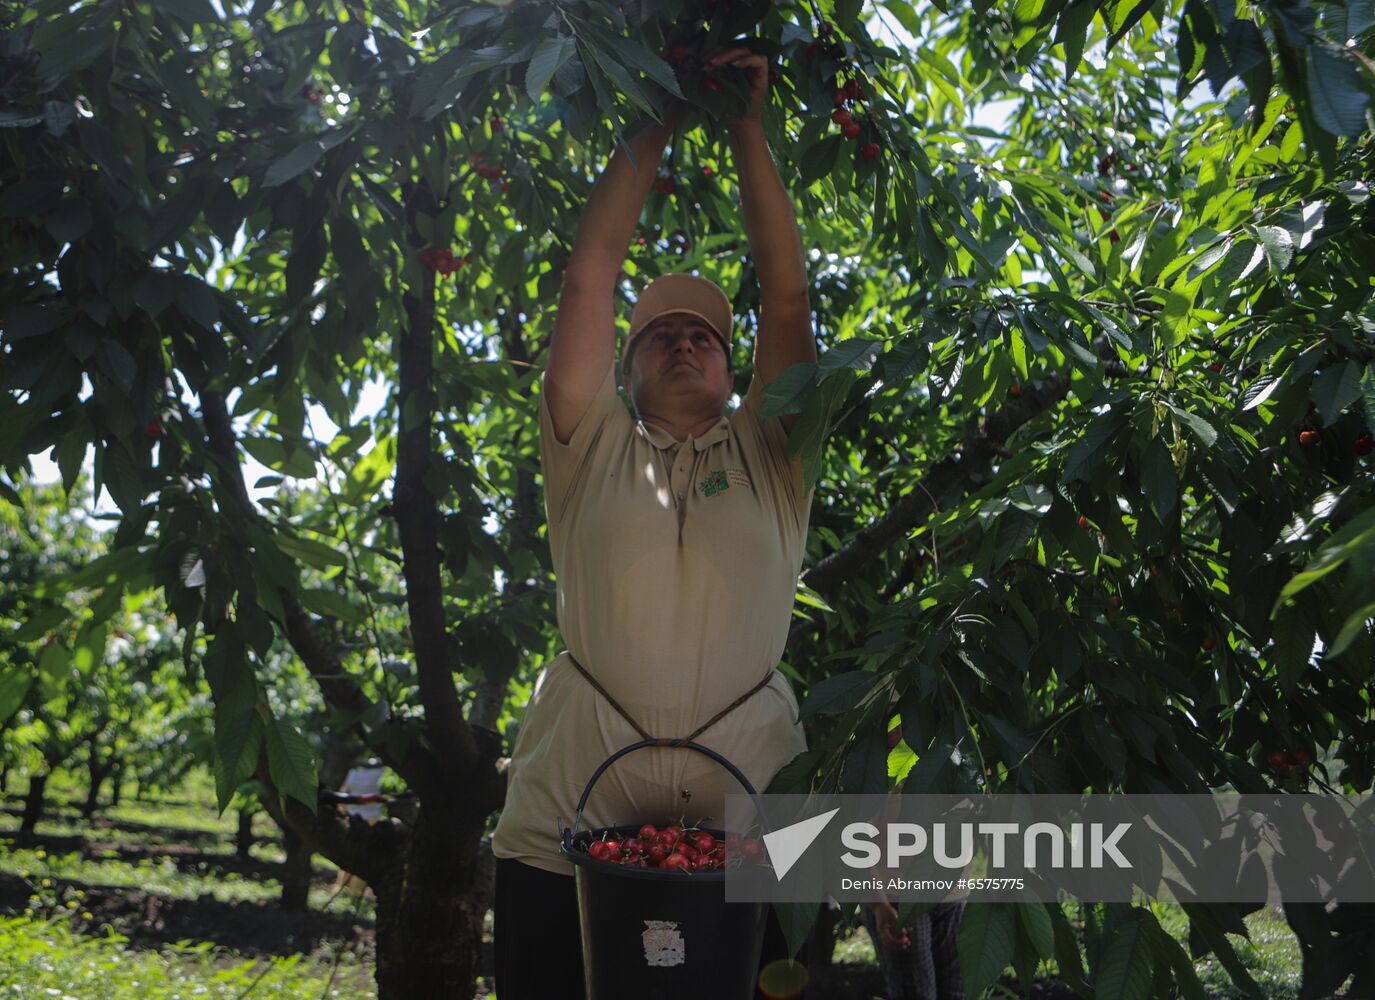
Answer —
(666, 741)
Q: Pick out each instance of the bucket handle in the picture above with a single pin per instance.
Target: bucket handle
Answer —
(735, 772)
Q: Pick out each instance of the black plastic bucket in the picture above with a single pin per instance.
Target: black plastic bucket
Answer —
(650, 934)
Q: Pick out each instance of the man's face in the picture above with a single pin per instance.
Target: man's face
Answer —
(678, 354)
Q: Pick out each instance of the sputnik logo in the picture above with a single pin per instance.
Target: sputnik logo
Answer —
(785, 846)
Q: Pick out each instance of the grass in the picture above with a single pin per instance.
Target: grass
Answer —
(46, 959)
(158, 876)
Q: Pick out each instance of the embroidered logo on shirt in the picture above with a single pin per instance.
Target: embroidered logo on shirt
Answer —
(714, 483)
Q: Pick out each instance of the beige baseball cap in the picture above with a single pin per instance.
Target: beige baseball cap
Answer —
(683, 293)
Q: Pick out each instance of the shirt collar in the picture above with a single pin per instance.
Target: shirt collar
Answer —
(663, 440)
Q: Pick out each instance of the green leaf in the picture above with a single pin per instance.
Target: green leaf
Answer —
(986, 943)
(1072, 32)
(275, 454)
(1351, 628)
(1123, 971)
(331, 603)
(857, 353)
(1158, 479)
(1339, 96)
(15, 682)
(1335, 388)
(1084, 453)
(77, 51)
(1203, 921)
(1067, 950)
(291, 762)
(1170, 952)
(1293, 648)
(552, 53)
(1278, 245)
(796, 920)
(40, 624)
(634, 54)
(1352, 538)
(310, 552)
(1261, 390)
(52, 668)
(819, 160)
(1368, 395)
(1039, 929)
(1202, 430)
(789, 392)
(24, 321)
(1175, 316)
(865, 768)
(238, 729)
(294, 163)
(117, 363)
(839, 693)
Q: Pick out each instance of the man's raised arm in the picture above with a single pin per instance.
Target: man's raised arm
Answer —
(584, 340)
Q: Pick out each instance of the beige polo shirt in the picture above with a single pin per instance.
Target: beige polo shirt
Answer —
(676, 566)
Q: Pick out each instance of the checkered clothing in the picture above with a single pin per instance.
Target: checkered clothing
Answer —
(930, 968)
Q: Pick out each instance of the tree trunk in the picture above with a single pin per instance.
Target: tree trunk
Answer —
(429, 909)
(33, 804)
(98, 771)
(116, 782)
(295, 870)
(243, 838)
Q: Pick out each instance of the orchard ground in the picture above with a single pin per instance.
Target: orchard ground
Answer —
(150, 900)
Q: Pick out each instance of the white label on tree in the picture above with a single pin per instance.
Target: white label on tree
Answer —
(663, 943)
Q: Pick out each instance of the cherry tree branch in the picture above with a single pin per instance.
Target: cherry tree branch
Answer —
(975, 452)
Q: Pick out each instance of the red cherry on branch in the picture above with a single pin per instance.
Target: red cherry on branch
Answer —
(850, 129)
(1275, 758)
(853, 90)
(1364, 445)
(1083, 521)
(841, 116)
(1207, 643)
(870, 151)
(1308, 437)
(712, 84)
(1016, 389)
(154, 428)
